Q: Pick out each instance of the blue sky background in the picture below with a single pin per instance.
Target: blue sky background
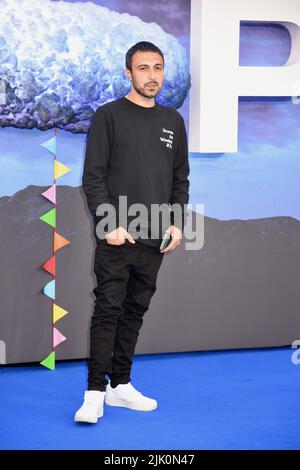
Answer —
(260, 180)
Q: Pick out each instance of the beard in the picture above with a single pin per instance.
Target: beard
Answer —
(145, 91)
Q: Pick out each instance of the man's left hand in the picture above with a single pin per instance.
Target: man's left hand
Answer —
(176, 236)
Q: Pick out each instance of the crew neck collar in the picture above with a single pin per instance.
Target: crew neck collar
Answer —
(138, 107)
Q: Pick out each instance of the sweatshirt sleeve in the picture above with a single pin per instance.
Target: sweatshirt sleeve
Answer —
(96, 161)
(180, 184)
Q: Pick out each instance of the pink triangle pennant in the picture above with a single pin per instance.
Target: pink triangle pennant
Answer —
(57, 337)
(50, 193)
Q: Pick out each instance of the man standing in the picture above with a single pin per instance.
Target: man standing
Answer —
(136, 148)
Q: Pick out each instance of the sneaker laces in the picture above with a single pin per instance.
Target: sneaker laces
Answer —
(133, 392)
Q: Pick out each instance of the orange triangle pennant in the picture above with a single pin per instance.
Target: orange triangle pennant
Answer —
(59, 241)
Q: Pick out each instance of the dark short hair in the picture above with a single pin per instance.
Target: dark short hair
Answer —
(143, 46)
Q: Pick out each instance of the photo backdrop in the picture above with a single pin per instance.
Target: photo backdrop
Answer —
(59, 61)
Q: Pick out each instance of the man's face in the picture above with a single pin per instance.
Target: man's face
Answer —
(147, 74)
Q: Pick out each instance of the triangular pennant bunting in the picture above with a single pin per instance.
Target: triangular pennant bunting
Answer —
(49, 289)
(57, 337)
(50, 217)
(50, 194)
(50, 265)
(60, 169)
(59, 241)
(50, 145)
(49, 361)
(58, 313)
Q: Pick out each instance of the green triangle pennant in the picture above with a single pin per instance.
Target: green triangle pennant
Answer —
(49, 361)
(50, 217)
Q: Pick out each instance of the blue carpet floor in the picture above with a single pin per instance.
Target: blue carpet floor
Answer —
(237, 399)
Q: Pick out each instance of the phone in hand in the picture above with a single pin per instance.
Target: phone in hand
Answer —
(165, 241)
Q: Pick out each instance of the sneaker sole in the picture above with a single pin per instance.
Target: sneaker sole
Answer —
(131, 406)
(82, 419)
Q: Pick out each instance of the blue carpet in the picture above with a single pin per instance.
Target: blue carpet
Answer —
(234, 399)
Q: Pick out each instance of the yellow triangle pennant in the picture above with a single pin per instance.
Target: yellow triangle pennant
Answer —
(58, 312)
(60, 169)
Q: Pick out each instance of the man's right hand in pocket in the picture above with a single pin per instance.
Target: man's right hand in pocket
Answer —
(118, 237)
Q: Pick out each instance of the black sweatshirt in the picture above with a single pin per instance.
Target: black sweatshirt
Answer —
(139, 152)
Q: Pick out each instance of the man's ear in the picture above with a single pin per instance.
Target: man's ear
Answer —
(128, 74)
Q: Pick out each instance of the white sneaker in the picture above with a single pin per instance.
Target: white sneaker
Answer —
(126, 395)
(92, 407)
